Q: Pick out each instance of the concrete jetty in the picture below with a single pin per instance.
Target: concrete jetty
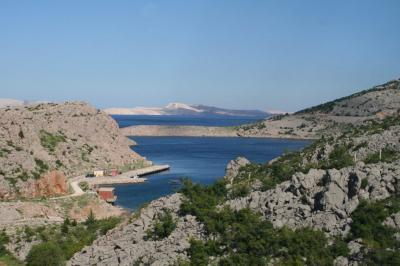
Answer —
(130, 177)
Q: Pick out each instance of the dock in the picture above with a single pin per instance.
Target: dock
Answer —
(130, 177)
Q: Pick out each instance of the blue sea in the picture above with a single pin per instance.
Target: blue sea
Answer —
(203, 159)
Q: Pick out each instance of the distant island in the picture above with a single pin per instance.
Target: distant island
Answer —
(186, 109)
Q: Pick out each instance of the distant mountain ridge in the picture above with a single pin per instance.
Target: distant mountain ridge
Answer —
(185, 109)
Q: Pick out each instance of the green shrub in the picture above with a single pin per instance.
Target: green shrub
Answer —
(4, 152)
(45, 254)
(41, 166)
(243, 238)
(387, 155)
(91, 219)
(84, 185)
(4, 239)
(338, 158)
(72, 237)
(379, 239)
(163, 226)
(21, 134)
(364, 183)
(50, 141)
(201, 200)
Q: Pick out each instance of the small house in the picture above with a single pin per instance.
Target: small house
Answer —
(113, 172)
(98, 173)
(107, 194)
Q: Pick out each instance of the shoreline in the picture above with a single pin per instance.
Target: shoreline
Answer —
(198, 131)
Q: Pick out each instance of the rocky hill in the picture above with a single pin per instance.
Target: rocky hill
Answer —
(42, 144)
(375, 103)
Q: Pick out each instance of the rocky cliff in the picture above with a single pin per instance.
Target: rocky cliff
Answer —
(41, 145)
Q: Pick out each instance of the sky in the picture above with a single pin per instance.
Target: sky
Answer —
(247, 54)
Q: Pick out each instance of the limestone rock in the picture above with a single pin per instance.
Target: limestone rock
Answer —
(233, 168)
(126, 245)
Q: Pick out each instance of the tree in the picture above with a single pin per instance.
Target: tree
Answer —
(91, 219)
(163, 226)
(45, 254)
(64, 226)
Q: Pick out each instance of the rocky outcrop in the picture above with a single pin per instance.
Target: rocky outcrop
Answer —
(127, 244)
(233, 168)
(41, 143)
(322, 199)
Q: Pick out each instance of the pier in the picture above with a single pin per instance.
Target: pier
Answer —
(130, 177)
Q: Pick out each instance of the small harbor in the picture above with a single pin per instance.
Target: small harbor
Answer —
(130, 177)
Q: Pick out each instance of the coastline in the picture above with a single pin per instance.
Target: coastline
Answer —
(200, 131)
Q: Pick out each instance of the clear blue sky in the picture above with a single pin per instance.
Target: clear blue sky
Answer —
(237, 54)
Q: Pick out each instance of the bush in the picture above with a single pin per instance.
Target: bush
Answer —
(3, 241)
(91, 219)
(338, 158)
(383, 248)
(387, 155)
(364, 183)
(84, 185)
(72, 237)
(45, 254)
(163, 226)
(243, 238)
(50, 141)
(201, 200)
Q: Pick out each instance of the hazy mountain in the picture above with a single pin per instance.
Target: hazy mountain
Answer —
(4, 103)
(184, 109)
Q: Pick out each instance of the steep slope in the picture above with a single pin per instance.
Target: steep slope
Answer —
(375, 103)
(41, 145)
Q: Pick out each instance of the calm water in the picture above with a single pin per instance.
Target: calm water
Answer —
(175, 120)
(202, 159)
